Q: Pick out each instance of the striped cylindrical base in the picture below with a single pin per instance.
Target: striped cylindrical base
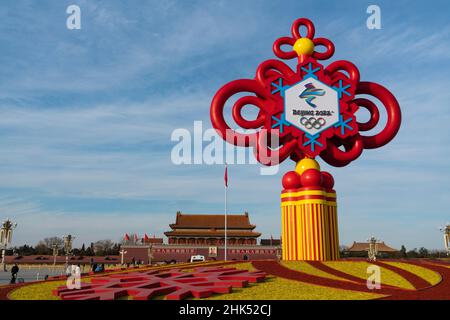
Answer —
(309, 224)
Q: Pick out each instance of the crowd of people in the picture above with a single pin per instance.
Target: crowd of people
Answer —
(97, 267)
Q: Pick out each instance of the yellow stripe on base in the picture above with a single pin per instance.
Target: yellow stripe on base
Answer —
(308, 193)
(309, 227)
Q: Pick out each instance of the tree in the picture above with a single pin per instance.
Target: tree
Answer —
(103, 247)
(423, 252)
(49, 242)
(45, 246)
(403, 252)
(89, 251)
(413, 253)
(115, 250)
(42, 248)
(25, 250)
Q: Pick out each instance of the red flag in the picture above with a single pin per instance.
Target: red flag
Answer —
(145, 237)
(127, 237)
(135, 237)
(226, 176)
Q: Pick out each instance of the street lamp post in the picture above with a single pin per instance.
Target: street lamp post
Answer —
(55, 252)
(373, 249)
(446, 231)
(68, 241)
(150, 255)
(122, 254)
(5, 237)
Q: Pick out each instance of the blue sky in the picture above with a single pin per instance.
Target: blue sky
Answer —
(87, 115)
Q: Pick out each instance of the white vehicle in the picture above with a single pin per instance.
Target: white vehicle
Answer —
(197, 258)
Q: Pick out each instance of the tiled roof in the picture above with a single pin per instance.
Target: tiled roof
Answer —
(364, 246)
(211, 221)
(212, 233)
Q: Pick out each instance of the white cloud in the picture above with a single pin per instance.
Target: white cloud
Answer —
(87, 116)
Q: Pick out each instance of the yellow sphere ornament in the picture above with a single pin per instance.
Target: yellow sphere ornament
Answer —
(306, 164)
(304, 46)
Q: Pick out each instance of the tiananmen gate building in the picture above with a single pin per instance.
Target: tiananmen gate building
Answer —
(204, 234)
(209, 229)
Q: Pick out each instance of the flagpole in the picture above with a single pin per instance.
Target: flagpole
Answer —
(226, 187)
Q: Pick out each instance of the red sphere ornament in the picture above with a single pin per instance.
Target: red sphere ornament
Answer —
(311, 178)
(327, 180)
(291, 180)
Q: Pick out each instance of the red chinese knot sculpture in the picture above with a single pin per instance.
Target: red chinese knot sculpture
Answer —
(311, 109)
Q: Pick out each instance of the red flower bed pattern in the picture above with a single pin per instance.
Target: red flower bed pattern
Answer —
(175, 284)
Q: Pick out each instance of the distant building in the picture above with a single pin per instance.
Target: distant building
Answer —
(153, 241)
(364, 247)
(209, 229)
(204, 234)
(360, 249)
(270, 242)
(49, 259)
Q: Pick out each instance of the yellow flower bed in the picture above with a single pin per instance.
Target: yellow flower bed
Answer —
(428, 275)
(275, 288)
(359, 269)
(305, 267)
(38, 291)
(243, 266)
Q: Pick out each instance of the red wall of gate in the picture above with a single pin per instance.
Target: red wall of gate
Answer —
(172, 253)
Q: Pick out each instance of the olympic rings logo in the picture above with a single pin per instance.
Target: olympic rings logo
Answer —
(310, 123)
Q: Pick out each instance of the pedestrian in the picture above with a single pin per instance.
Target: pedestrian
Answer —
(14, 272)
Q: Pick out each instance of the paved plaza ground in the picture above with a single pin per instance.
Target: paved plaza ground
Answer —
(30, 273)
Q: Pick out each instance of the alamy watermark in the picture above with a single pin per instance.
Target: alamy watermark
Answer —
(73, 21)
(205, 146)
(74, 277)
(374, 279)
(374, 20)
